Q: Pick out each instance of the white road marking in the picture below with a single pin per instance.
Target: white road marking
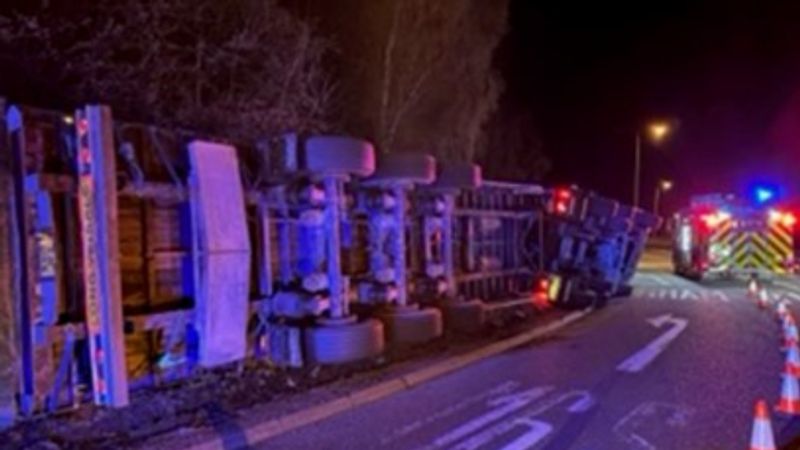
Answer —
(537, 431)
(582, 403)
(791, 289)
(507, 405)
(721, 295)
(659, 413)
(640, 359)
(688, 294)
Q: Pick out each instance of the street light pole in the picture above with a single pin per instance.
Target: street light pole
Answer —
(656, 131)
(637, 168)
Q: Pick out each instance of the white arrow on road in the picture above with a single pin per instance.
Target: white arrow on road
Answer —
(640, 359)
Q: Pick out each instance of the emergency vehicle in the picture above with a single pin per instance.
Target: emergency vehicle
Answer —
(727, 236)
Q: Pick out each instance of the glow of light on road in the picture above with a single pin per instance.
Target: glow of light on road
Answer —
(639, 360)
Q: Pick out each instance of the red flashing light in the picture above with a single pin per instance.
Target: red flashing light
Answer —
(715, 219)
(787, 219)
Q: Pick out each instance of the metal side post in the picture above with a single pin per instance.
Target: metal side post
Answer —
(9, 364)
(22, 290)
(399, 243)
(97, 205)
(333, 198)
(448, 257)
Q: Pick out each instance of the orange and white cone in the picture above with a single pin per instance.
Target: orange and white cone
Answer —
(781, 309)
(790, 396)
(787, 321)
(762, 298)
(752, 287)
(762, 437)
(792, 366)
(790, 334)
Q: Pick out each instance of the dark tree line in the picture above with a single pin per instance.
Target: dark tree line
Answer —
(410, 75)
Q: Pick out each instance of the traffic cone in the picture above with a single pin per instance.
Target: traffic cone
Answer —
(752, 287)
(790, 335)
(781, 309)
(762, 437)
(788, 321)
(763, 298)
(792, 366)
(790, 396)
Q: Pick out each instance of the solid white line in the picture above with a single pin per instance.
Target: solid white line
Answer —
(640, 359)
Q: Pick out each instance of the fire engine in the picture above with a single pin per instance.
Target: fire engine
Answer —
(728, 236)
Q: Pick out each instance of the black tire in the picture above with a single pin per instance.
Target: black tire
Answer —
(409, 167)
(339, 155)
(459, 176)
(412, 326)
(624, 291)
(340, 344)
(465, 317)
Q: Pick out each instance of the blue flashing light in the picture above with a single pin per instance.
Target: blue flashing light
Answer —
(764, 194)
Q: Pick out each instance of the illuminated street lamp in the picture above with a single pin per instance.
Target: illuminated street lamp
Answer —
(656, 132)
(662, 186)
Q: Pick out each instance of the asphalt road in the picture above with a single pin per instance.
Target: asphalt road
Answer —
(678, 365)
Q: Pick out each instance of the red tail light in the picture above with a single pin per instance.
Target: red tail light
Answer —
(544, 285)
(561, 200)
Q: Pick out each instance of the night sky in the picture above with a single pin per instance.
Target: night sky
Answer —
(729, 74)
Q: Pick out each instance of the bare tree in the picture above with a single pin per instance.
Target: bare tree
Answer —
(438, 86)
(416, 75)
(241, 69)
(516, 150)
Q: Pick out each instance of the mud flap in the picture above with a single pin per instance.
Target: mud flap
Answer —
(221, 250)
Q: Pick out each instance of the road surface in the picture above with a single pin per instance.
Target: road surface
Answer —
(678, 365)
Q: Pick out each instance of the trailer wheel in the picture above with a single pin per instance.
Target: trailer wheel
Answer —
(408, 167)
(465, 317)
(459, 176)
(624, 291)
(409, 325)
(339, 155)
(344, 343)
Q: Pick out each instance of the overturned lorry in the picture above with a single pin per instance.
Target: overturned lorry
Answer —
(134, 255)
